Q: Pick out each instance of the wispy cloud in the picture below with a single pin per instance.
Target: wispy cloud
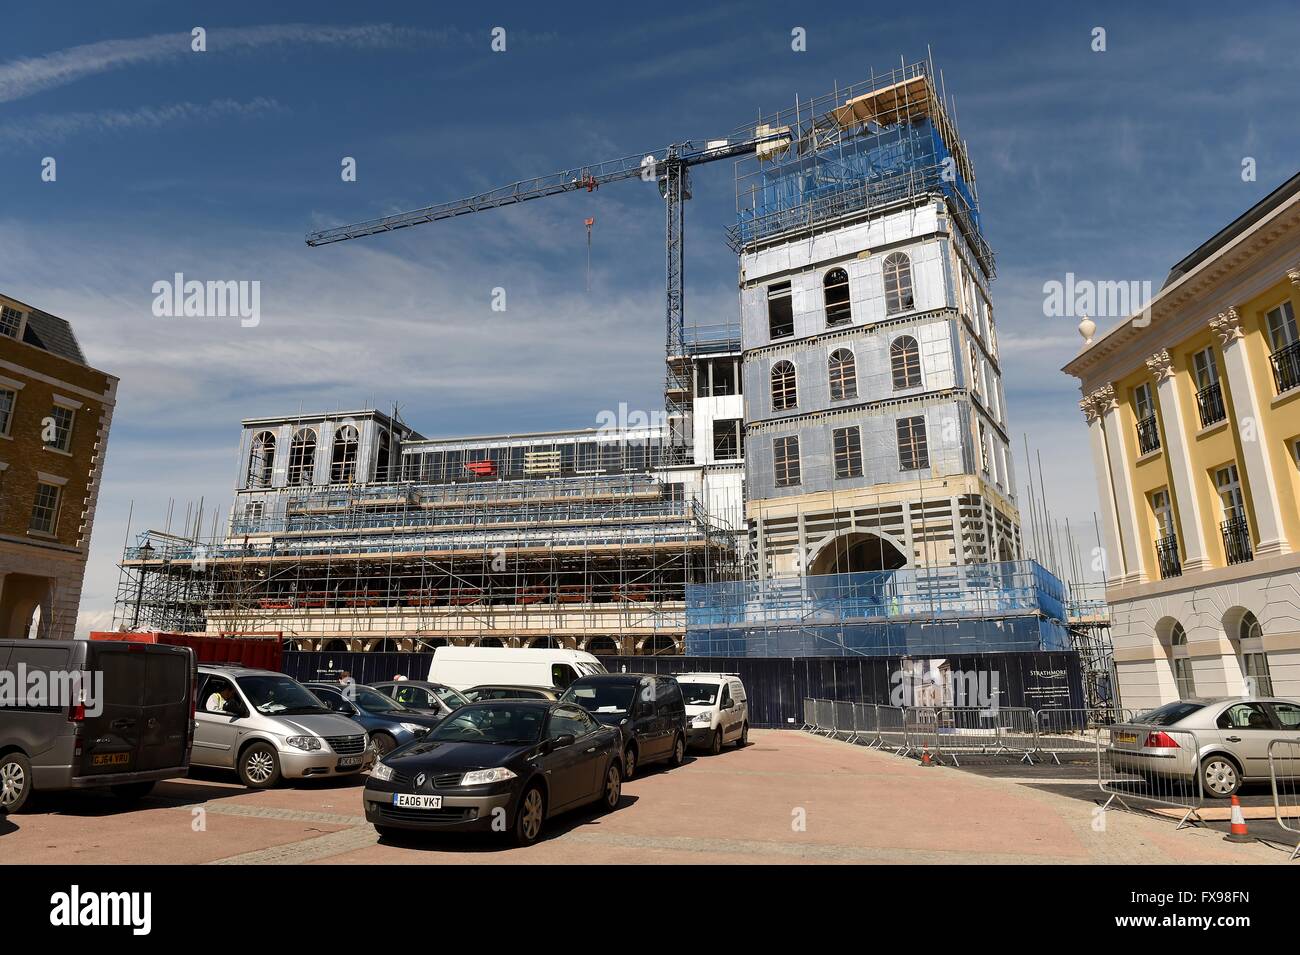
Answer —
(52, 128)
(30, 75)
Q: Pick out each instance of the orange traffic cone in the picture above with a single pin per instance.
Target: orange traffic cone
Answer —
(925, 757)
(1238, 827)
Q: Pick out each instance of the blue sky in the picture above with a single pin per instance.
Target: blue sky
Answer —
(1111, 165)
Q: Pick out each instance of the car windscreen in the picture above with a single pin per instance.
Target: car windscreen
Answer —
(1169, 714)
(279, 696)
(372, 701)
(699, 694)
(601, 697)
(491, 723)
(450, 696)
(591, 669)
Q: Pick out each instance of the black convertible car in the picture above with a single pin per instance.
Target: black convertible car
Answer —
(502, 765)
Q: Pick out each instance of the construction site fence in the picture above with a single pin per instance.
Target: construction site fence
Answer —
(947, 733)
(1284, 774)
(1142, 782)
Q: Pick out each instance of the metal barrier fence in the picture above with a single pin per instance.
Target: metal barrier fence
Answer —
(1073, 731)
(921, 729)
(809, 714)
(1284, 773)
(844, 726)
(1157, 765)
(825, 710)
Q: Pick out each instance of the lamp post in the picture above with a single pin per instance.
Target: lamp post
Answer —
(145, 553)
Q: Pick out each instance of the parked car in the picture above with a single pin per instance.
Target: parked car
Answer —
(502, 765)
(436, 698)
(463, 667)
(497, 691)
(1232, 737)
(716, 709)
(647, 708)
(389, 723)
(268, 727)
(126, 733)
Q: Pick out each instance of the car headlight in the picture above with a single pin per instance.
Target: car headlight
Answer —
(481, 777)
(703, 719)
(309, 743)
(414, 728)
(381, 771)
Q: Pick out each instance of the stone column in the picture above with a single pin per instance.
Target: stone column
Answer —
(1254, 442)
(1105, 491)
(1121, 479)
(1191, 531)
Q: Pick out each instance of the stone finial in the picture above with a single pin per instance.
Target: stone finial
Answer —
(1087, 328)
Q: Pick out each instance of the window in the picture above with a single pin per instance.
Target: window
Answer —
(1235, 529)
(7, 401)
(898, 283)
(1282, 327)
(1144, 409)
(848, 452)
(1163, 512)
(45, 509)
(11, 321)
(253, 511)
(718, 378)
(728, 439)
(1288, 714)
(784, 393)
(1254, 660)
(974, 369)
(785, 461)
(1183, 677)
(383, 457)
(913, 452)
(1229, 486)
(905, 360)
(1209, 392)
(780, 310)
(343, 460)
(1244, 716)
(844, 375)
(569, 721)
(839, 311)
(302, 456)
(261, 460)
(57, 429)
(1205, 368)
(1286, 348)
(984, 447)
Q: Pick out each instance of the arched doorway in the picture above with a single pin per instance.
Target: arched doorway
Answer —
(857, 552)
(490, 642)
(545, 643)
(658, 644)
(335, 646)
(602, 646)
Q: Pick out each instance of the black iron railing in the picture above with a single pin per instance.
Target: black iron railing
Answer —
(1210, 401)
(1167, 556)
(1148, 435)
(1236, 540)
(1286, 367)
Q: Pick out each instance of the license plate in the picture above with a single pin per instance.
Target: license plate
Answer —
(110, 759)
(1126, 737)
(413, 801)
(348, 761)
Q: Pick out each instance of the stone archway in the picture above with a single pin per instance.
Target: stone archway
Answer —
(856, 552)
(26, 606)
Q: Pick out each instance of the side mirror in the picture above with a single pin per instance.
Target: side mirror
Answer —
(564, 739)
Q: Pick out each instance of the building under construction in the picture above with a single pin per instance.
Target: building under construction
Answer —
(839, 453)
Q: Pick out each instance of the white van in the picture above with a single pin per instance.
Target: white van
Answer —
(717, 709)
(464, 667)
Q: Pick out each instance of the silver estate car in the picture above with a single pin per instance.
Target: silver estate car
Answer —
(266, 727)
(1232, 735)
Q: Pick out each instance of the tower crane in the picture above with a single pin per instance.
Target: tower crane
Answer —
(669, 167)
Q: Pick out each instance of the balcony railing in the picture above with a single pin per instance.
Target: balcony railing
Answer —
(1286, 367)
(1236, 540)
(1167, 556)
(1148, 435)
(1210, 402)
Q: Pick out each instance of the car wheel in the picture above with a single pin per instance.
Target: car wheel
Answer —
(15, 782)
(629, 762)
(679, 751)
(529, 816)
(715, 744)
(613, 787)
(1220, 775)
(743, 740)
(259, 766)
(130, 792)
(384, 744)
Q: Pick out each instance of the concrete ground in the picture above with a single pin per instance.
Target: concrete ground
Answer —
(787, 798)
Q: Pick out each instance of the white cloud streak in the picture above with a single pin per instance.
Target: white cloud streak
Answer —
(46, 129)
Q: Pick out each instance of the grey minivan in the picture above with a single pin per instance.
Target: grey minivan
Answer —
(127, 724)
(267, 727)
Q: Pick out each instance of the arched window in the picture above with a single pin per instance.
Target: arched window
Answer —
(1254, 660)
(302, 456)
(844, 375)
(261, 460)
(1183, 678)
(343, 461)
(383, 459)
(784, 393)
(898, 283)
(839, 311)
(905, 360)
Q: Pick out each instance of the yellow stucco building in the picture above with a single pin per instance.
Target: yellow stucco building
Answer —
(1193, 411)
